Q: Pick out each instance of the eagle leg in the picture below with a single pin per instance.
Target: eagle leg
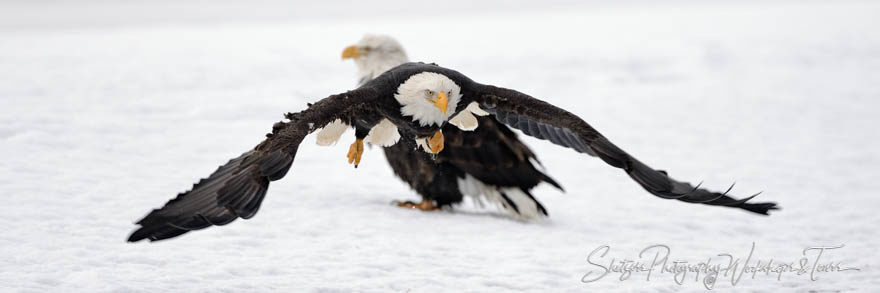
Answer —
(355, 151)
(436, 142)
(424, 205)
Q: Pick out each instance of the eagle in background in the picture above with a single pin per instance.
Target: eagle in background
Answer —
(487, 163)
(416, 100)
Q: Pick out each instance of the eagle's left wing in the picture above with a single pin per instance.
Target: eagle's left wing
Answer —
(236, 189)
(544, 121)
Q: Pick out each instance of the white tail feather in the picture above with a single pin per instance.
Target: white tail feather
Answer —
(526, 206)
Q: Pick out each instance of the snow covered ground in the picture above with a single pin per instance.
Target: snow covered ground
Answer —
(109, 108)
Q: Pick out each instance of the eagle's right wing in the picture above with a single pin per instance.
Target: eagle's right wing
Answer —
(236, 189)
(542, 120)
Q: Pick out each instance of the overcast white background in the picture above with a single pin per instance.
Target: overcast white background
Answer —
(110, 108)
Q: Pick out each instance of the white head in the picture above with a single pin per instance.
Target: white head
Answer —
(375, 54)
(428, 97)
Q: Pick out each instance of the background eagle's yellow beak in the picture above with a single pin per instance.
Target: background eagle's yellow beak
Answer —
(351, 52)
(441, 101)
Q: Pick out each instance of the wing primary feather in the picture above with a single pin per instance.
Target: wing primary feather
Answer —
(551, 135)
(524, 127)
(533, 129)
(512, 119)
(579, 145)
(562, 137)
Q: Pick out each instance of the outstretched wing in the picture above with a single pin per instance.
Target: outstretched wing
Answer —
(236, 189)
(544, 121)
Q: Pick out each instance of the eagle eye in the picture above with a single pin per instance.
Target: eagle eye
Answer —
(429, 93)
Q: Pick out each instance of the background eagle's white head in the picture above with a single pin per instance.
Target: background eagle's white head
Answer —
(375, 54)
(428, 97)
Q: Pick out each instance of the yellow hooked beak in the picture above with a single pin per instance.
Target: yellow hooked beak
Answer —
(351, 52)
(441, 101)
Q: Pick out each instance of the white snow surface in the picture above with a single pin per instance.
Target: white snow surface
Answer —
(110, 108)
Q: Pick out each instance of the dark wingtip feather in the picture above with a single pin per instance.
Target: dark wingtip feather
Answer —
(763, 208)
(234, 190)
(137, 235)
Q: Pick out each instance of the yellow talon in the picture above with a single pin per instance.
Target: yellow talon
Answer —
(355, 151)
(436, 142)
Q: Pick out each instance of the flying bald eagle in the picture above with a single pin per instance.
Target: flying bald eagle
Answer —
(415, 99)
(489, 163)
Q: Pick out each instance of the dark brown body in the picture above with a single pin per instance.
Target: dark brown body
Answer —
(492, 153)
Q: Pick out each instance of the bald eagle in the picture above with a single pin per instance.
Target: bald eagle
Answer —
(417, 100)
(489, 163)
